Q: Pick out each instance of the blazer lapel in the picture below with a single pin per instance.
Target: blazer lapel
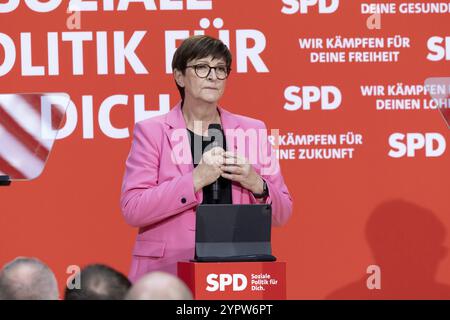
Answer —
(179, 140)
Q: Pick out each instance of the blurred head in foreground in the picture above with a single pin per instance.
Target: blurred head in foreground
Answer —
(99, 282)
(27, 279)
(159, 286)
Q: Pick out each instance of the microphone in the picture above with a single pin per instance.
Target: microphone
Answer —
(216, 136)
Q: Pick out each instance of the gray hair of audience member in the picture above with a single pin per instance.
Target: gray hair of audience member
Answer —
(27, 279)
(159, 286)
(99, 282)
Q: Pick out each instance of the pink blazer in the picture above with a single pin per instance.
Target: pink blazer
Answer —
(158, 192)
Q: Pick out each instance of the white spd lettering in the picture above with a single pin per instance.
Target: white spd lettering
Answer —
(407, 145)
(439, 49)
(324, 97)
(303, 6)
(238, 282)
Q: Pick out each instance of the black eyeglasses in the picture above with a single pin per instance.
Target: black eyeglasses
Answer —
(203, 70)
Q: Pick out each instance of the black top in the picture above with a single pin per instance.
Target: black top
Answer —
(224, 184)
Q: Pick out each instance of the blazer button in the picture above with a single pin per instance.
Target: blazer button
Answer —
(183, 200)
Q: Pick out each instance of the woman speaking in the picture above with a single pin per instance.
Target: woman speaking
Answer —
(174, 163)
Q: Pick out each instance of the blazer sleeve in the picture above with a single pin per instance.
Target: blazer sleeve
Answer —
(279, 196)
(143, 200)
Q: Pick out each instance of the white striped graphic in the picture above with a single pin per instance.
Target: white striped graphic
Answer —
(25, 124)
